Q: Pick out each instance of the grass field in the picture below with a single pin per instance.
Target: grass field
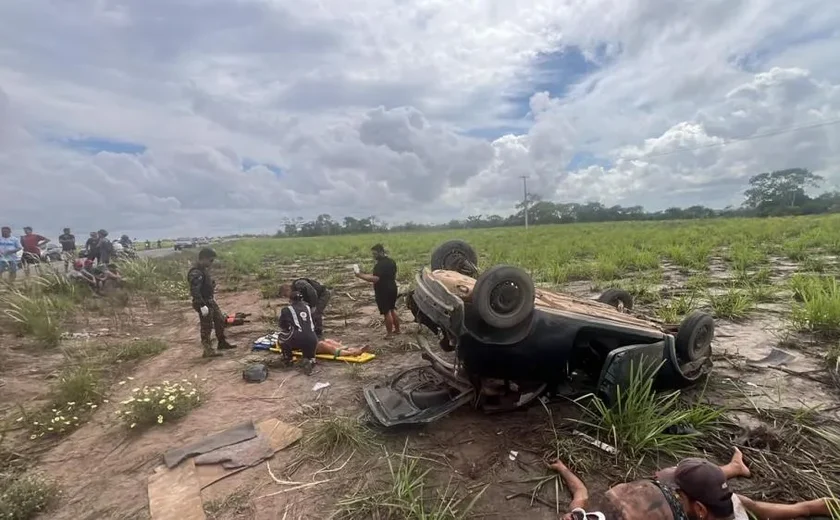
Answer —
(76, 370)
(603, 251)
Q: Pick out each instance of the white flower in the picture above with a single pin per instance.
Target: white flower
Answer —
(160, 419)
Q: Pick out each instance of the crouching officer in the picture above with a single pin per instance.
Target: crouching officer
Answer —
(297, 332)
(314, 294)
(210, 317)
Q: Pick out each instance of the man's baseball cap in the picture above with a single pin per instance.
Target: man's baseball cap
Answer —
(704, 482)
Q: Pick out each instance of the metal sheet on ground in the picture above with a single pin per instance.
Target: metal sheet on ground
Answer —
(278, 434)
(175, 494)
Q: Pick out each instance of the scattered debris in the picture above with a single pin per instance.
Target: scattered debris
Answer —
(320, 386)
(175, 494)
(595, 442)
(255, 373)
(776, 357)
(242, 432)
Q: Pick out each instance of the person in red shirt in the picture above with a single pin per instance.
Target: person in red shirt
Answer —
(31, 243)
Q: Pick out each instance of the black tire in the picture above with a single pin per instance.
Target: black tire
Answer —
(694, 337)
(618, 298)
(504, 296)
(455, 255)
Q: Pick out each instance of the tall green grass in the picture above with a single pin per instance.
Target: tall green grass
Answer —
(639, 423)
(817, 305)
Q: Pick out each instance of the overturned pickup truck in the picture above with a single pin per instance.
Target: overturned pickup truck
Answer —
(514, 343)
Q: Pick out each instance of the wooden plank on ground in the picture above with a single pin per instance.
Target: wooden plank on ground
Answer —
(175, 494)
(279, 435)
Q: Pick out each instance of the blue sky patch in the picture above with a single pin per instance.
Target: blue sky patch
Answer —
(755, 60)
(247, 164)
(585, 159)
(99, 144)
(556, 72)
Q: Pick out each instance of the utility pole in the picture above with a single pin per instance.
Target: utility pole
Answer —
(525, 197)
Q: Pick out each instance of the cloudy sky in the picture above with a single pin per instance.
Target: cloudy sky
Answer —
(171, 117)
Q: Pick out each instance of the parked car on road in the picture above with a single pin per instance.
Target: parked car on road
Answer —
(51, 253)
(184, 243)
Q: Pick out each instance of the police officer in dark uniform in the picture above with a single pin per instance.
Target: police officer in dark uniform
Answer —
(210, 317)
(314, 294)
(297, 332)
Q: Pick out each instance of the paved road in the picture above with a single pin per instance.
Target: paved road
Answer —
(155, 253)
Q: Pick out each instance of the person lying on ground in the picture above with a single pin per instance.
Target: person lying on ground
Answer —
(385, 290)
(695, 489)
(81, 272)
(297, 332)
(336, 349)
(32, 243)
(315, 294)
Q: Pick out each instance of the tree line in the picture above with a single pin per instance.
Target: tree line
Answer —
(777, 193)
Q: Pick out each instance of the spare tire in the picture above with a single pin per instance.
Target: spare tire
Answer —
(455, 255)
(618, 298)
(694, 337)
(504, 296)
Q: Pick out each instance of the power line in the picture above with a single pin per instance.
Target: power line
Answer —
(750, 138)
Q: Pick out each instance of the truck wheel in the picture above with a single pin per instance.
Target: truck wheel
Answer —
(455, 255)
(694, 337)
(618, 298)
(504, 296)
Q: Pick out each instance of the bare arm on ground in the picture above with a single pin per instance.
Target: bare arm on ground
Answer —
(580, 495)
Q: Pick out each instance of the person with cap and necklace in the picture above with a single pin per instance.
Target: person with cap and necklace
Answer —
(695, 489)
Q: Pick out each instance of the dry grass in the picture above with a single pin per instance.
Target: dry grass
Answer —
(406, 494)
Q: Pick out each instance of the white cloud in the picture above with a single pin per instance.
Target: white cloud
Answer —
(368, 107)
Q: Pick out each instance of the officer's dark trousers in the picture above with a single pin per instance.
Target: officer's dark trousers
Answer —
(318, 312)
(213, 321)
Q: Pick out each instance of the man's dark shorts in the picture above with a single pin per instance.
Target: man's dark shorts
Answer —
(30, 258)
(386, 299)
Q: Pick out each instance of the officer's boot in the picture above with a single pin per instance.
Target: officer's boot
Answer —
(224, 345)
(307, 365)
(209, 351)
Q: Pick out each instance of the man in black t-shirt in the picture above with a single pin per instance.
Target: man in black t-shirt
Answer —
(384, 279)
(68, 248)
(92, 246)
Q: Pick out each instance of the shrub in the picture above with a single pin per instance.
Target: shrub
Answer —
(75, 396)
(818, 306)
(641, 421)
(37, 316)
(23, 497)
(158, 404)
